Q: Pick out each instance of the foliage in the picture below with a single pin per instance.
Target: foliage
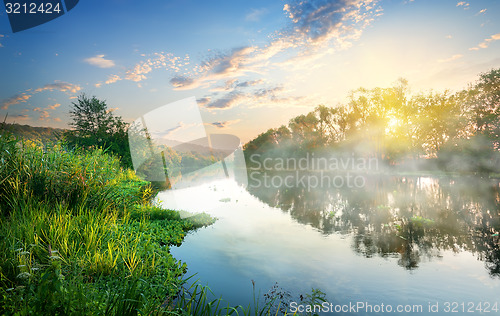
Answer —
(46, 135)
(95, 126)
(77, 179)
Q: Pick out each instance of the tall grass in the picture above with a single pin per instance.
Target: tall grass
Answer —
(78, 235)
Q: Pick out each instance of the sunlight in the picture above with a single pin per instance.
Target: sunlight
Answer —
(392, 124)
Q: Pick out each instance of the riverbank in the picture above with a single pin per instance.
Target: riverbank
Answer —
(79, 235)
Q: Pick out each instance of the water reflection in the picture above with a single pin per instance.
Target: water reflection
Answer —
(411, 218)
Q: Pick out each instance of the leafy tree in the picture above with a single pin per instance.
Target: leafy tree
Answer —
(484, 104)
(95, 126)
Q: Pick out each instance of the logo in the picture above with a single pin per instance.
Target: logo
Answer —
(24, 15)
(170, 144)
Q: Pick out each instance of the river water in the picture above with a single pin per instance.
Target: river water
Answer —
(420, 243)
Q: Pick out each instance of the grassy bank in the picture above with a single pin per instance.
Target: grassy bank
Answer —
(79, 235)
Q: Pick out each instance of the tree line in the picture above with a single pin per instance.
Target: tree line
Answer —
(460, 131)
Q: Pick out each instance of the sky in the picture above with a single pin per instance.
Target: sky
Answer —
(251, 65)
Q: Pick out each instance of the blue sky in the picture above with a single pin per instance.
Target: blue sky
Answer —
(251, 65)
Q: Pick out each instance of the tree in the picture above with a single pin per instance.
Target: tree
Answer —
(95, 126)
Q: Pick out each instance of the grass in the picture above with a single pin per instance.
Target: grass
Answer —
(79, 235)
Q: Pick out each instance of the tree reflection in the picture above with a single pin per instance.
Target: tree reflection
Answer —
(410, 218)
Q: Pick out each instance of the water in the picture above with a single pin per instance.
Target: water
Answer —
(397, 241)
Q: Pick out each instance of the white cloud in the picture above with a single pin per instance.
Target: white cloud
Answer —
(100, 62)
(486, 42)
(452, 58)
(138, 72)
(23, 97)
(53, 107)
(61, 86)
(315, 27)
(44, 116)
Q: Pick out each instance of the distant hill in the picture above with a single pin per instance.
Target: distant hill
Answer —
(43, 134)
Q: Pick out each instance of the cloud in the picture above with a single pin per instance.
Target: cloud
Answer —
(1, 36)
(315, 19)
(452, 58)
(44, 116)
(236, 63)
(203, 101)
(463, 4)
(53, 107)
(228, 101)
(61, 86)
(324, 20)
(313, 29)
(234, 84)
(486, 42)
(138, 72)
(245, 84)
(268, 92)
(113, 79)
(255, 15)
(23, 97)
(482, 11)
(224, 124)
(267, 96)
(229, 84)
(112, 109)
(231, 64)
(183, 83)
(100, 62)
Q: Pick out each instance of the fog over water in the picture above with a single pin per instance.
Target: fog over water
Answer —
(396, 240)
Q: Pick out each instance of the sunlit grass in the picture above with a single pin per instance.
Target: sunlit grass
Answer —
(78, 235)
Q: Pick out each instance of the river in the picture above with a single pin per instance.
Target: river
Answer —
(399, 241)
